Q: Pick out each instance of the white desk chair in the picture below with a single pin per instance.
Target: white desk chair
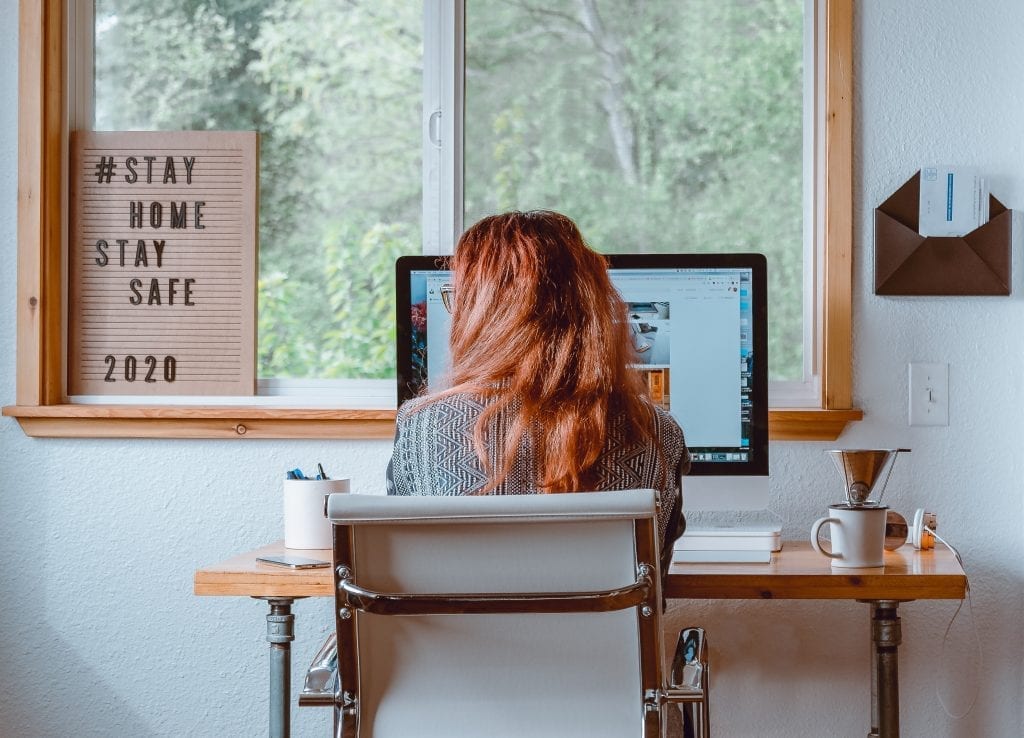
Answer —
(501, 616)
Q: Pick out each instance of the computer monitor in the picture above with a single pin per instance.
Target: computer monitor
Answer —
(699, 324)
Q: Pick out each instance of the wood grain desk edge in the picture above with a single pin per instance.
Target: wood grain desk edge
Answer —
(941, 578)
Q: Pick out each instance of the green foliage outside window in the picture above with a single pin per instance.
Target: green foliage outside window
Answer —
(659, 126)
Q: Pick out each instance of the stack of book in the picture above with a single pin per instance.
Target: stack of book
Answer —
(749, 544)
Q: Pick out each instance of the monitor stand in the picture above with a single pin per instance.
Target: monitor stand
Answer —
(727, 521)
(715, 542)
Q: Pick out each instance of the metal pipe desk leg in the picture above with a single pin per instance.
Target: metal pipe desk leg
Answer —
(280, 634)
(886, 637)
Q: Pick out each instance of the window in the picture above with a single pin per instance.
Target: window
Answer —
(658, 126)
(379, 187)
(335, 90)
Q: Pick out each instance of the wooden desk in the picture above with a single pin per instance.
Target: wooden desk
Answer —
(798, 572)
(795, 573)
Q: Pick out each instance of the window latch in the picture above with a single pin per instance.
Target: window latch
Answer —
(434, 128)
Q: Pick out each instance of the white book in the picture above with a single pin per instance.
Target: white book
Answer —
(707, 543)
(731, 538)
(722, 557)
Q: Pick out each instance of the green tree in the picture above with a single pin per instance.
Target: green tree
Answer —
(659, 125)
(333, 88)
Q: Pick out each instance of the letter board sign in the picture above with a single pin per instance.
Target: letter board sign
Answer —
(162, 246)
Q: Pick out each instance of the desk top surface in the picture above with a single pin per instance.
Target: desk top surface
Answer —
(796, 572)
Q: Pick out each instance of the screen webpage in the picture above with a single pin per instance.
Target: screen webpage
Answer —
(691, 330)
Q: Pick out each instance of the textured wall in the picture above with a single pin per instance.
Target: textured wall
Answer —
(99, 539)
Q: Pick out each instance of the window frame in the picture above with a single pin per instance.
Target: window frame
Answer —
(44, 119)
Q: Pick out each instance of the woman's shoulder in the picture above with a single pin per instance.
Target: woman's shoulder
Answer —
(672, 439)
(666, 423)
(440, 408)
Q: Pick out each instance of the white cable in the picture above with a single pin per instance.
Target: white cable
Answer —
(945, 636)
(955, 552)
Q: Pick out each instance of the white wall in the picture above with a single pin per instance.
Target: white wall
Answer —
(99, 538)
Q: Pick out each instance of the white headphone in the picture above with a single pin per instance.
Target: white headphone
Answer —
(921, 537)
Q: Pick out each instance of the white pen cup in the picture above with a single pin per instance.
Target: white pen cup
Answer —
(858, 536)
(305, 523)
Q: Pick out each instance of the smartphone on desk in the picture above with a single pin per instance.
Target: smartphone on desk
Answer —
(293, 562)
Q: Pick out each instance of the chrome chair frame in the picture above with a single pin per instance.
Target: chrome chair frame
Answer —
(688, 682)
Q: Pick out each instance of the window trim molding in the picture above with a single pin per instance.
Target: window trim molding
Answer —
(41, 407)
(837, 312)
(443, 92)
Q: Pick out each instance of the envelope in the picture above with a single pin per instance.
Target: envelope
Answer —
(907, 263)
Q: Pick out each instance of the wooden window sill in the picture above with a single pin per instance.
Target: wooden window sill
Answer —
(176, 421)
(809, 424)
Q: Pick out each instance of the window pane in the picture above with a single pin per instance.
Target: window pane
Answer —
(658, 126)
(335, 91)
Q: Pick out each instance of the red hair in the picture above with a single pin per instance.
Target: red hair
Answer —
(539, 330)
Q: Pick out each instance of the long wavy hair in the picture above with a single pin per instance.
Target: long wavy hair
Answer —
(539, 331)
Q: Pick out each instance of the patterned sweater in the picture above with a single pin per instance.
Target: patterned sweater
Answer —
(434, 455)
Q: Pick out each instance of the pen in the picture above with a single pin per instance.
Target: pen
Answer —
(322, 474)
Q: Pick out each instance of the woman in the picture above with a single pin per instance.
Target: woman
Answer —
(541, 396)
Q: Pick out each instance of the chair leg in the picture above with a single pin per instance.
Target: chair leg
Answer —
(689, 680)
(695, 719)
(684, 720)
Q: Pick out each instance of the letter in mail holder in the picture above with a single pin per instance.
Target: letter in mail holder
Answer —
(907, 263)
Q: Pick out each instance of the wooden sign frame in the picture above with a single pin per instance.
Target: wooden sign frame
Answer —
(162, 263)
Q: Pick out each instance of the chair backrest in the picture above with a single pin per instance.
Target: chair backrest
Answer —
(503, 632)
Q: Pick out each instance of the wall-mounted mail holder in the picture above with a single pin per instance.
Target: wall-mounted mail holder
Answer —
(907, 263)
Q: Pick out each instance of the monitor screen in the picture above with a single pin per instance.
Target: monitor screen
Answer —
(700, 331)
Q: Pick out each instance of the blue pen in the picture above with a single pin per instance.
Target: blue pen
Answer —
(321, 473)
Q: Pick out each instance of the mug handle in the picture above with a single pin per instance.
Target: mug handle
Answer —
(816, 531)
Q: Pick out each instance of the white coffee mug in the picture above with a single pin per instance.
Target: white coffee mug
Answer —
(858, 536)
(305, 524)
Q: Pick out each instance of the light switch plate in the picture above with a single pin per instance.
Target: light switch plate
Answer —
(929, 394)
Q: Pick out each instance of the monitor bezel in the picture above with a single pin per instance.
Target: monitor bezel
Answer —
(757, 464)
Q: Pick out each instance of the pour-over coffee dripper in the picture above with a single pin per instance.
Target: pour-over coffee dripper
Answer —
(862, 469)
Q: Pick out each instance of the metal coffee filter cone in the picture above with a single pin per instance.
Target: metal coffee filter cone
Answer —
(862, 468)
